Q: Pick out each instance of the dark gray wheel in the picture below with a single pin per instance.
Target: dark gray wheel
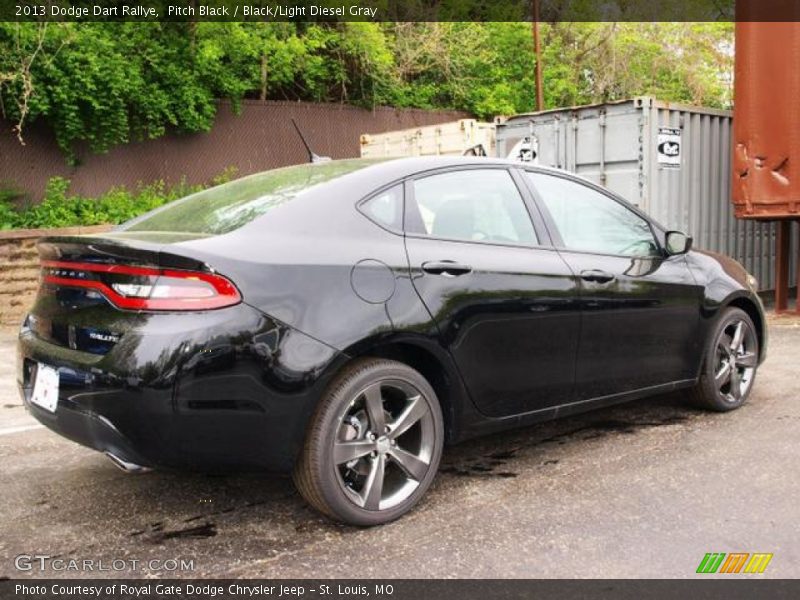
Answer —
(730, 363)
(374, 444)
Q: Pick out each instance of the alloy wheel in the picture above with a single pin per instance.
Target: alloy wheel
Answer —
(384, 444)
(736, 360)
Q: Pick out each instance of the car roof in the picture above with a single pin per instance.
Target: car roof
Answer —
(399, 168)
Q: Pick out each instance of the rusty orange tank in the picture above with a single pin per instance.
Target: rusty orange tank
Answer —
(766, 120)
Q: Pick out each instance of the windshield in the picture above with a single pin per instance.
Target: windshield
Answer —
(229, 206)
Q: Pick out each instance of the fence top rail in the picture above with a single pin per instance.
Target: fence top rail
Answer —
(21, 234)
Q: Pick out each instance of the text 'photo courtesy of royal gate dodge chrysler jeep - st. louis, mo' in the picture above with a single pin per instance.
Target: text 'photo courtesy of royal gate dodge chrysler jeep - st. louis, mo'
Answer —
(342, 321)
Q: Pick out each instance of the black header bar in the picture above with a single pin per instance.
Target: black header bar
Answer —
(398, 10)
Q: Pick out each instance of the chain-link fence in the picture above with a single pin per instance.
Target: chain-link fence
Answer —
(260, 137)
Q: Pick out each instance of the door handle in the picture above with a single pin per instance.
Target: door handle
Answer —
(597, 276)
(446, 268)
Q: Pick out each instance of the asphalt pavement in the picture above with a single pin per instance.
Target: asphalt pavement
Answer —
(640, 490)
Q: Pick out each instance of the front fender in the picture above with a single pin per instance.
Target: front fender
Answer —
(727, 283)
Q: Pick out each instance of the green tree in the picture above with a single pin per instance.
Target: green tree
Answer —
(102, 84)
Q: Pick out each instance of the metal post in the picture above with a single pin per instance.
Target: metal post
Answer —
(538, 52)
(797, 278)
(782, 266)
(602, 123)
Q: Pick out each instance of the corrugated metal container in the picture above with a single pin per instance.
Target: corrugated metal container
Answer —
(453, 138)
(671, 160)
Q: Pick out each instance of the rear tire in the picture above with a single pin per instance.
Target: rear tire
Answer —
(729, 365)
(373, 444)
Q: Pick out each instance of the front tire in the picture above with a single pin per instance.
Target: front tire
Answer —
(373, 445)
(729, 365)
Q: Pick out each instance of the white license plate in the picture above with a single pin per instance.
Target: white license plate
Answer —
(45, 388)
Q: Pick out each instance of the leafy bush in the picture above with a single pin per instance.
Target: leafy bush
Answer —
(59, 209)
(10, 193)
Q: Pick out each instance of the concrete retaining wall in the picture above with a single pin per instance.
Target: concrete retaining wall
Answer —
(19, 269)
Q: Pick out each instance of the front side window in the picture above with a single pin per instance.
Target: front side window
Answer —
(590, 221)
(477, 205)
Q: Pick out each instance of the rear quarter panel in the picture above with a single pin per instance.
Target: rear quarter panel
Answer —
(317, 264)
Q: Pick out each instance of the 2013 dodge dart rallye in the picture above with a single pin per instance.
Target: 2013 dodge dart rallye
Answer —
(342, 321)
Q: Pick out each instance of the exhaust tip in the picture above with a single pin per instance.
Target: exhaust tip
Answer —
(125, 465)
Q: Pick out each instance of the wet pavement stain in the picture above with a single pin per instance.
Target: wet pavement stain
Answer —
(502, 454)
(482, 468)
(224, 511)
(488, 464)
(477, 470)
(206, 530)
(152, 527)
(156, 534)
(194, 518)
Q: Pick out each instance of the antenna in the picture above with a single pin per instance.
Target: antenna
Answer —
(476, 150)
(312, 157)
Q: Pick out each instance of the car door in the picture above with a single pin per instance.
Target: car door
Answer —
(504, 301)
(640, 307)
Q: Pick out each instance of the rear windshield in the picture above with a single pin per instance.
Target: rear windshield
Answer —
(228, 206)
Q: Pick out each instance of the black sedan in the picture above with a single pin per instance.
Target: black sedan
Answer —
(342, 321)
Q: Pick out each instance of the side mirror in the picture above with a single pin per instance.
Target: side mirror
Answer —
(678, 243)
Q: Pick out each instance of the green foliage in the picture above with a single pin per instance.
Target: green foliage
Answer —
(8, 197)
(107, 83)
(60, 209)
(9, 193)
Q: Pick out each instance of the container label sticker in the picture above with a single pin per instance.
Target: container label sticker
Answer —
(669, 147)
(526, 150)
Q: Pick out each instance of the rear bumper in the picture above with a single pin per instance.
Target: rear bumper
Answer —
(229, 388)
(86, 428)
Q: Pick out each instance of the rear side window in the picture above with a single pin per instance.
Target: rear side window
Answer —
(386, 208)
(229, 206)
(476, 205)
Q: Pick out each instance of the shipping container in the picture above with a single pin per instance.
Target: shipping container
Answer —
(671, 160)
(446, 139)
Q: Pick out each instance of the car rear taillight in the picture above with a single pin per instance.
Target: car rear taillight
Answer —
(144, 288)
